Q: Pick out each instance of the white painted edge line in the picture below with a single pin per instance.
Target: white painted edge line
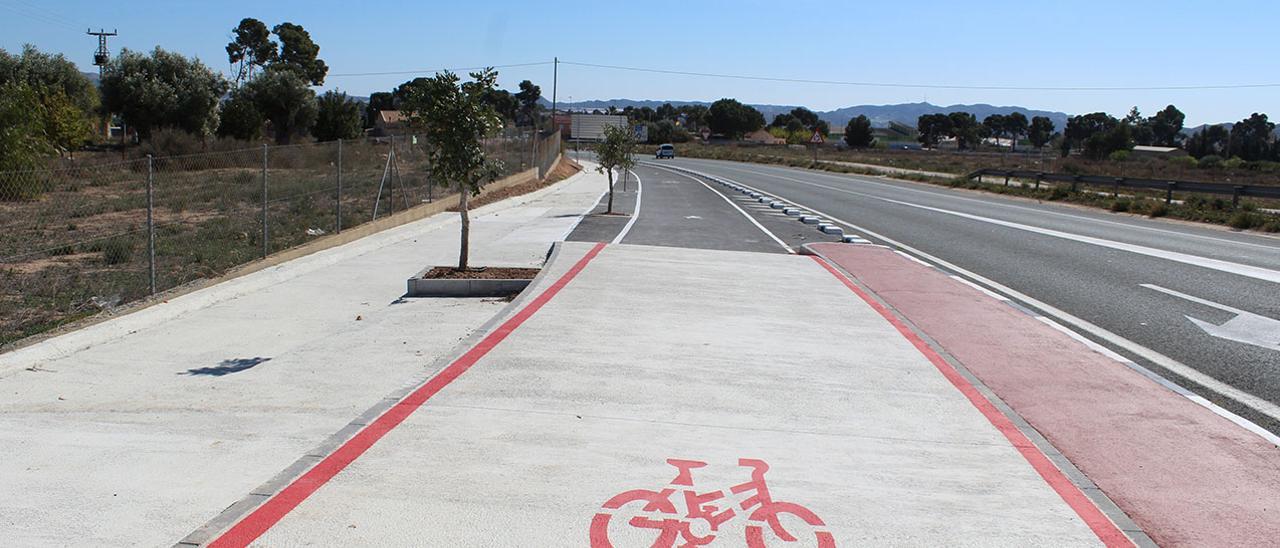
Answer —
(1250, 271)
(1246, 399)
(939, 191)
(635, 213)
(911, 257)
(1238, 420)
(986, 291)
(740, 210)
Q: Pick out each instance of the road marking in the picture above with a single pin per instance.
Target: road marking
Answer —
(1246, 327)
(941, 194)
(1255, 272)
(735, 206)
(635, 213)
(270, 512)
(1245, 399)
(1098, 522)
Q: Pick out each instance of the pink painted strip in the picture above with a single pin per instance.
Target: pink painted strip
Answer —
(1185, 475)
(1098, 522)
(274, 509)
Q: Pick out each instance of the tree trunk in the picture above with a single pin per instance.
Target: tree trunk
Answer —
(610, 208)
(466, 227)
(1013, 142)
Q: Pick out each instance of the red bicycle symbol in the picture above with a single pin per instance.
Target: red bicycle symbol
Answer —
(660, 513)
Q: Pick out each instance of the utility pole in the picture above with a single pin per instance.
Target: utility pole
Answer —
(555, 80)
(101, 58)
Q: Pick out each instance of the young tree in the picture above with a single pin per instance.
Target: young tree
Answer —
(163, 89)
(456, 119)
(858, 132)
(250, 49)
(1040, 131)
(284, 98)
(1083, 127)
(65, 125)
(995, 125)
(733, 119)
(338, 117)
(615, 152)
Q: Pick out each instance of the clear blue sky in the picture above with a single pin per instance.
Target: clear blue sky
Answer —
(1026, 43)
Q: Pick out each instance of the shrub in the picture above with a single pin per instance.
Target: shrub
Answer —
(1119, 156)
(1210, 162)
(1243, 220)
(171, 142)
(1059, 193)
(1234, 163)
(1159, 209)
(114, 250)
(1271, 226)
(1184, 161)
(1120, 206)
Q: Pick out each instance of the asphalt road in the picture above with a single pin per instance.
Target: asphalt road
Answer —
(675, 211)
(1129, 283)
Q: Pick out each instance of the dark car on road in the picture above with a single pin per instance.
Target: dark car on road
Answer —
(665, 151)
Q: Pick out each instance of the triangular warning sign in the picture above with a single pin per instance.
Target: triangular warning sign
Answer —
(817, 138)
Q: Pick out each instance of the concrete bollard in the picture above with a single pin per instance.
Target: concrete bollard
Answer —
(792, 211)
(810, 220)
(777, 205)
(852, 239)
(831, 229)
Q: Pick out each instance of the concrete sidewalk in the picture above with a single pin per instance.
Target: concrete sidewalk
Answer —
(136, 430)
(627, 366)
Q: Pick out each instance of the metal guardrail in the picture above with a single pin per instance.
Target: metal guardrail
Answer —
(1235, 191)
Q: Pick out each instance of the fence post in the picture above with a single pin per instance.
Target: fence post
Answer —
(338, 203)
(1006, 178)
(151, 226)
(1235, 196)
(1168, 193)
(1115, 187)
(265, 247)
(1075, 182)
(1039, 177)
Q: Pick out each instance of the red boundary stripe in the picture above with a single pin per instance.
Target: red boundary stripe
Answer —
(1101, 525)
(274, 509)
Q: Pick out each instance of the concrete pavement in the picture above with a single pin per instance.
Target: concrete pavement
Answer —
(137, 430)
(610, 377)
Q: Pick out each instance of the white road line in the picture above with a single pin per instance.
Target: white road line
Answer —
(735, 206)
(1245, 399)
(984, 290)
(940, 194)
(1259, 273)
(635, 213)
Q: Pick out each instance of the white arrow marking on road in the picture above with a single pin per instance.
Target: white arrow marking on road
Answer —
(1246, 327)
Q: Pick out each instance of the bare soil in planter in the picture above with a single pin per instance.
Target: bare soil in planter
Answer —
(481, 273)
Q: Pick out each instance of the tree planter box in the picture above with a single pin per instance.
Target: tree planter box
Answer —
(421, 286)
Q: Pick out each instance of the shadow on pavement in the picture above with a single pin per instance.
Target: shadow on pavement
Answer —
(227, 367)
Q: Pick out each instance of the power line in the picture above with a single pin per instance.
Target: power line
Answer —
(433, 71)
(37, 14)
(927, 86)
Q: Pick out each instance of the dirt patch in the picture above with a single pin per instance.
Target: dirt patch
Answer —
(481, 273)
(74, 259)
(563, 170)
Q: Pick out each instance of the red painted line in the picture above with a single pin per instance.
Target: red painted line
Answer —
(274, 509)
(1101, 525)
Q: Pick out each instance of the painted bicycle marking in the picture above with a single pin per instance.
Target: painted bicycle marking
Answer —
(702, 520)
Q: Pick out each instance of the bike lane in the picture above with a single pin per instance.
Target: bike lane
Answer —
(659, 376)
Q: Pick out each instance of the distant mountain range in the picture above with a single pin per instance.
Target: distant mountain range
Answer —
(880, 115)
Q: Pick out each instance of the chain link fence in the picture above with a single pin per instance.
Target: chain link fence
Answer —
(77, 240)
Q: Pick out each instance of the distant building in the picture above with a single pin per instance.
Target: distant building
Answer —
(590, 127)
(388, 122)
(1156, 152)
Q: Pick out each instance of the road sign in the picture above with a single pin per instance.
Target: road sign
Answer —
(706, 134)
(642, 133)
(817, 138)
